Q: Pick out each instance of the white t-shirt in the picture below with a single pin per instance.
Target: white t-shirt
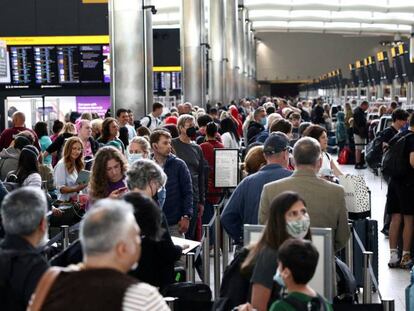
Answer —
(229, 141)
(155, 122)
(63, 178)
(326, 168)
(33, 180)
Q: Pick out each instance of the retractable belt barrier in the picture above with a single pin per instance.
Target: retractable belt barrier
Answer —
(369, 278)
(204, 249)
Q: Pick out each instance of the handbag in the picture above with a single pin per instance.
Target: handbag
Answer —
(343, 157)
(357, 194)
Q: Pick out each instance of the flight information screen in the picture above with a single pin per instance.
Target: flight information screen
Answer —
(22, 70)
(68, 64)
(45, 65)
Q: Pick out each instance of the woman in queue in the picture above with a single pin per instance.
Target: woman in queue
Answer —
(27, 173)
(329, 167)
(289, 219)
(110, 132)
(68, 168)
(138, 148)
(90, 145)
(145, 179)
(57, 146)
(108, 174)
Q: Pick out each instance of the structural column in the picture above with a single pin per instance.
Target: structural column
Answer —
(131, 56)
(240, 55)
(216, 51)
(230, 49)
(191, 52)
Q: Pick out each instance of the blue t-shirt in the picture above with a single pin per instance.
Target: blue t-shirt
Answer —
(45, 142)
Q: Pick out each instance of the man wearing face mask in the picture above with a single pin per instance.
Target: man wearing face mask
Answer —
(178, 204)
(192, 155)
(325, 200)
(23, 214)
(257, 125)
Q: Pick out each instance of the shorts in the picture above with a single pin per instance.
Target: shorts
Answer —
(359, 142)
(399, 198)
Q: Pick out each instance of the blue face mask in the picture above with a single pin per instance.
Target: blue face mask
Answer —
(263, 121)
(132, 157)
(278, 279)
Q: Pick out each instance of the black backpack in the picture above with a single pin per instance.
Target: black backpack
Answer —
(235, 287)
(373, 155)
(346, 284)
(395, 163)
(316, 304)
(190, 296)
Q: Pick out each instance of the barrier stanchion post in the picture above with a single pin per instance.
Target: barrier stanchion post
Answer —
(170, 302)
(367, 294)
(65, 236)
(349, 250)
(217, 274)
(206, 255)
(388, 304)
(190, 275)
(225, 249)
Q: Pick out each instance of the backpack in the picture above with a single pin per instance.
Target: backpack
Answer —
(190, 296)
(346, 284)
(149, 123)
(373, 152)
(235, 287)
(394, 162)
(315, 304)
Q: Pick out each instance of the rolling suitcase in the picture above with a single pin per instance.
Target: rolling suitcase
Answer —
(367, 231)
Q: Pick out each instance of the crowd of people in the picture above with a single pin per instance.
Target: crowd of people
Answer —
(142, 181)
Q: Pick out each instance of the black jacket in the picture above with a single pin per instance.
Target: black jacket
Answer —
(21, 267)
(253, 131)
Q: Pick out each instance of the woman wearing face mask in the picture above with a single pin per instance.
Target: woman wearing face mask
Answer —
(289, 219)
(138, 148)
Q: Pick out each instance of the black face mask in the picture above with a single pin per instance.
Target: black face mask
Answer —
(191, 132)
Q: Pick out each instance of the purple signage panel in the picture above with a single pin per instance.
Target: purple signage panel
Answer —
(98, 104)
(106, 63)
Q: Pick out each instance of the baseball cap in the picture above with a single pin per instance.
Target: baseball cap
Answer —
(276, 142)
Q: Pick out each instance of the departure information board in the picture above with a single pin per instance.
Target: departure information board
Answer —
(22, 70)
(68, 64)
(45, 65)
(91, 63)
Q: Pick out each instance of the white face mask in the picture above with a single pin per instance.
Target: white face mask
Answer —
(298, 228)
(132, 157)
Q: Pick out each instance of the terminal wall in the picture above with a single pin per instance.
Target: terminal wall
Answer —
(304, 56)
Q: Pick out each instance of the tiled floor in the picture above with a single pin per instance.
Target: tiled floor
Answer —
(392, 282)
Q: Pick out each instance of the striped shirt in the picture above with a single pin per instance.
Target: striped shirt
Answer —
(143, 297)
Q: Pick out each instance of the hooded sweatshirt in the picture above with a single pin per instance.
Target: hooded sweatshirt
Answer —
(341, 133)
(9, 159)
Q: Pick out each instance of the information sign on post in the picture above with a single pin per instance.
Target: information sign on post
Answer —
(226, 168)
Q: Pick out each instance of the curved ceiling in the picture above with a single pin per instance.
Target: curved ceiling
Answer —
(371, 17)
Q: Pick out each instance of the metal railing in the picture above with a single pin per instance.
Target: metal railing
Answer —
(369, 279)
